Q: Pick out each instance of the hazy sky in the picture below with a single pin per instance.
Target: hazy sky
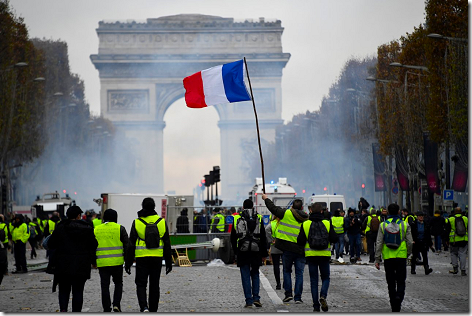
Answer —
(320, 35)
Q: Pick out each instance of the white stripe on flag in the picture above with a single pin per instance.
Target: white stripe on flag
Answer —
(213, 86)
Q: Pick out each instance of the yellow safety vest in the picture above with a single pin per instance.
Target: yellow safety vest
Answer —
(96, 222)
(110, 247)
(312, 252)
(289, 228)
(141, 250)
(20, 233)
(5, 229)
(400, 252)
(452, 235)
(40, 225)
(338, 224)
(407, 218)
(52, 226)
(369, 219)
(221, 223)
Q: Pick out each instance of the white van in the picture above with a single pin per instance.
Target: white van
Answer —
(331, 201)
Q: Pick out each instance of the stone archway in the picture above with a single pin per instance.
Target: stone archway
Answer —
(141, 68)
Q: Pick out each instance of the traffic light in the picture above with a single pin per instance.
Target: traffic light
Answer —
(208, 181)
(363, 185)
(216, 174)
(303, 191)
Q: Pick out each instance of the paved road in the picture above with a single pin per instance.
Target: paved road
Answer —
(203, 289)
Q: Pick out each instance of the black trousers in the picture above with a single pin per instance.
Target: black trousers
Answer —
(20, 256)
(77, 285)
(148, 268)
(276, 264)
(419, 247)
(3, 263)
(371, 240)
(395, 272)
(33, 244)
(116, 273)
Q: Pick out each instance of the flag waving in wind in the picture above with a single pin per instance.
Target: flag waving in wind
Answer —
(217, 85)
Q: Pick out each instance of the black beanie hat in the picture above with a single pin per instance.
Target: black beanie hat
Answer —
(110, 215)
(247, 204)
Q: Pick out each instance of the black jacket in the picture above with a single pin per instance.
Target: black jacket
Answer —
(438, 225)
(182, 225)
(352, 225)
(247, 257)
(299, 215)
(427, 233)
(74, 246)
(133, 236)
(302, 240)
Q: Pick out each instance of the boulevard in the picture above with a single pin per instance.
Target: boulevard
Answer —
(356, 288)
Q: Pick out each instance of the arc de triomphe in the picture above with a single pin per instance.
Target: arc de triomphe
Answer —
(141, 68)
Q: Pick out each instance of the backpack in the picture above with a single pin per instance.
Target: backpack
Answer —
(374, 224)
(151, 234)
(2, 235)
(32, 232)
(461, 231)
(392, 236)
(248, 231)
(318, 236)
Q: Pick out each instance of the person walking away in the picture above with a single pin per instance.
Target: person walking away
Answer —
(248, 240)
(457, 229)
(394, 244)
(338, 225)
(112, 241)
(421, 242)
(74, 245)
(34, 233)
(275, 253)
(372, 223)
(52, 222)
(316, 236)
(438, 224)
(286, 240)
(217, 222)
(20, 235)
(352, 224)
(149, 243)
(3, 248)
(182, 224)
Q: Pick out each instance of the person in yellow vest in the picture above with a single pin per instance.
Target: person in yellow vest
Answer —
(52, 222)
(74, 249)
(95, 220)
(112, 245)
(3, 248)
(338, 225)
(286, 240)
(371, 224)
(458, 244)
(217, 222)
(149, 247)
(20, 235)
(275, 253)
(248, 241)
(318, 258)
(394, 244)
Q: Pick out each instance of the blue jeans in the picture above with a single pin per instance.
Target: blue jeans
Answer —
(354, 241)
(291, 258)
(437, 242)
(248, 273)
(339, 246)
(313, 267)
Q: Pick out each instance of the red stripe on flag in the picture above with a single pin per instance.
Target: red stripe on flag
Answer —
(194, 96)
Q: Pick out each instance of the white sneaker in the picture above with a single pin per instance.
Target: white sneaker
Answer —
(341, 260)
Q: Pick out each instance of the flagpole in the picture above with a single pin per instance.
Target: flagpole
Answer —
(257, 126)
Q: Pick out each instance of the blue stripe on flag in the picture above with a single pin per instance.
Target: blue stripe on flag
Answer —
(233, 81)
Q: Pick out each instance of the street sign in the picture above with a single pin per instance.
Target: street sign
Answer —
(229, 220)
(395, 190)
(265, 219)
(448, 195)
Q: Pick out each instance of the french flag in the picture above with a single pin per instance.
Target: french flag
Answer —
(217, 85)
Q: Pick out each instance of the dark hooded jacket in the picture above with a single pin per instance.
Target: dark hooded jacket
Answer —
(182, 223)
(302, 239)
(133, 236)
(299, 215)
(74, 246)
